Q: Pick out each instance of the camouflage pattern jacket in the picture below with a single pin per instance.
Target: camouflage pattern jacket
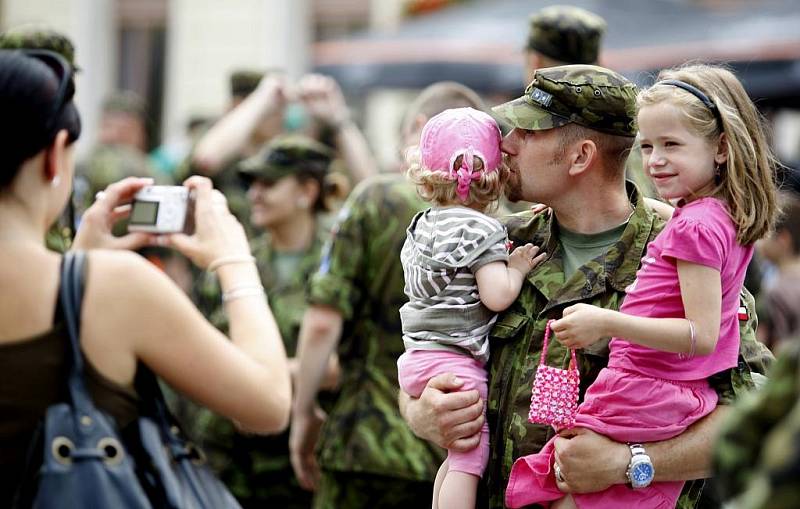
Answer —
(228, 182)
(361, 276)
(516, 340)
(758, 454)
(240, 459)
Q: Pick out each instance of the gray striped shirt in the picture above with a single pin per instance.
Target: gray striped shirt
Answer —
(444, 248)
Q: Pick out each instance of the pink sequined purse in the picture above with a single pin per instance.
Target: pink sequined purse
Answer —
(554, 398)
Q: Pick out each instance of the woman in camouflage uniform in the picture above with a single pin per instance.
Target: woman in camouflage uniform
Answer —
(290, 191)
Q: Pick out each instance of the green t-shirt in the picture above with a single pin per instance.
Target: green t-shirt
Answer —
(580, 248)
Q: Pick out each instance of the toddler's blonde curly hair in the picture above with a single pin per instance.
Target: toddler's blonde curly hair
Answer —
(439, 188)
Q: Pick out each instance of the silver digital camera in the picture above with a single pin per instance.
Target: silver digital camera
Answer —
(162, 209)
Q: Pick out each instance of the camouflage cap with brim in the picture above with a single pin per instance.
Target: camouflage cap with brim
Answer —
(39, 37)
(567, 34)
(587, 95)
(292, 154)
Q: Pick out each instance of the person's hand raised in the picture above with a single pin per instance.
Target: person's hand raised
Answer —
(218, 234)
(111, 206)
(323, 99)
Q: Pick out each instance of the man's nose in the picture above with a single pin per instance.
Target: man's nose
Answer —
(509, 145)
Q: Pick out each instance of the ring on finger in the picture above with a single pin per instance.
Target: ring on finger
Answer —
(557, 472)
(101, 195)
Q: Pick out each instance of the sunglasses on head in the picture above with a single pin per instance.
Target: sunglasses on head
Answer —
(66, 84)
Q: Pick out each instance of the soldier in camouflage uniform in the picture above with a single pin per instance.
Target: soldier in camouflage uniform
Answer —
(256, 468)
(59, 237)
(367, 455)
(119, 151)
(597, 102)
(254, 116)
(757, 460)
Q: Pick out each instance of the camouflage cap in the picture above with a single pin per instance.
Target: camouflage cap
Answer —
(243, 82)
(39, 37)
(567, 34)
(588, 95)
(290, 154)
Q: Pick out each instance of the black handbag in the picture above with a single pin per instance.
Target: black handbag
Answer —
(89, 464)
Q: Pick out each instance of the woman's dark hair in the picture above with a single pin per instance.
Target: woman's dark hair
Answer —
(333, 187)
(30, 85)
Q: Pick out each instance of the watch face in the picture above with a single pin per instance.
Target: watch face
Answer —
(641, 474)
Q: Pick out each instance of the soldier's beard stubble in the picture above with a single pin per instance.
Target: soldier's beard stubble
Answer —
(513, 186)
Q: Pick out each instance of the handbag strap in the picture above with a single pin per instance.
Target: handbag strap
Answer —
(73, 265)
(573, 363)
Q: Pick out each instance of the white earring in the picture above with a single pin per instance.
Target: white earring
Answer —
(56, 181)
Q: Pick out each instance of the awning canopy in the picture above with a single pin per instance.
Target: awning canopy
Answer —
(480, 44)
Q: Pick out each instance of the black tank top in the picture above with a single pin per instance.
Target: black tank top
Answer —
(32, 377)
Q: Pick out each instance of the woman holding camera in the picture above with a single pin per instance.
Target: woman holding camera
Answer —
(132, 313)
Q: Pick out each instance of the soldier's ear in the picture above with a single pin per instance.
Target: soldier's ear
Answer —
(581, 157)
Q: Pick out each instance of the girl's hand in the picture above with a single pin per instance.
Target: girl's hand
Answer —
(111, 206)
(525, 258)
(217, 233)
(581, 325)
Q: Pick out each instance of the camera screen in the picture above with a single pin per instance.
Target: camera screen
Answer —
(144, 212)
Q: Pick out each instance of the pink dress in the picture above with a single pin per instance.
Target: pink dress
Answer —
(646, 395)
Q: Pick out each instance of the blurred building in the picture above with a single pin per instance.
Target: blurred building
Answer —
(177, 54)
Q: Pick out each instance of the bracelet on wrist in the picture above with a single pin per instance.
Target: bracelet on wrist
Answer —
(238, 292)
(229, 260)
(692, 342)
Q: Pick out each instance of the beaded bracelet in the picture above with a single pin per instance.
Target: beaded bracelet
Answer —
(238, 292)
(229, 260)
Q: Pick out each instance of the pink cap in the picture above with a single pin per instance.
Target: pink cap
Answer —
(456, 132)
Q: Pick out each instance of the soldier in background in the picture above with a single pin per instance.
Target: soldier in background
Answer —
(560, 35)
(757, 460)
(779, 302)
(291, 190)
(365, 456)
(254, 116)
(120, 148)
(59, 237)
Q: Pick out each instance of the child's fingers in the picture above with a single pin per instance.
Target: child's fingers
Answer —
(569, 310)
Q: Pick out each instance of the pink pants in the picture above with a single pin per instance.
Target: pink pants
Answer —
(416, 367)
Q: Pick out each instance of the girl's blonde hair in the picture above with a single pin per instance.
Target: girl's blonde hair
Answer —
(747, 179)
(438, 188)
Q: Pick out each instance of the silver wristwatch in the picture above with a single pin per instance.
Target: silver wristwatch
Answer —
(640, 470)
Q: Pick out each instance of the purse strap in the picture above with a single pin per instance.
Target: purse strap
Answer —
(73, 265)
(573, 363)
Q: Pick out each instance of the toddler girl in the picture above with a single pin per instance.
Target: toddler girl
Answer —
(458, 274)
